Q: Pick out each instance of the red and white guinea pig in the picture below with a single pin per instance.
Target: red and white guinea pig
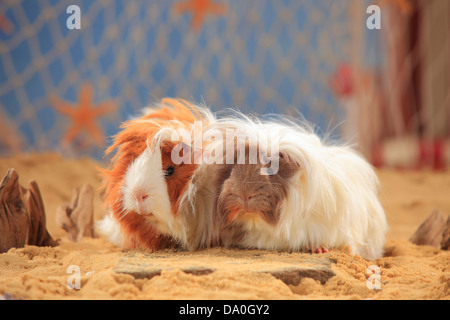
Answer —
(142, 186)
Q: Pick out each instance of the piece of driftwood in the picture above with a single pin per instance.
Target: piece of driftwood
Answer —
(445, 242)
(22, 215)
(432, 231)
(77, 218)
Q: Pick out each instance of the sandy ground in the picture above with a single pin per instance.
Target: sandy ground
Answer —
(407, 271)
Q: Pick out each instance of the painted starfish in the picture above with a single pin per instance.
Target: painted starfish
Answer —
(404, 6)
(5, 24)
(84, 115)
(199, 9)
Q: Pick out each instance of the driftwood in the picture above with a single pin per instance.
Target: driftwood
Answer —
(434, 231)
(22, 215)
(445, 242)
(77, 218)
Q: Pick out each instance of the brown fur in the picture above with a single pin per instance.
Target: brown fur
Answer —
(245, 194)
(142, 234)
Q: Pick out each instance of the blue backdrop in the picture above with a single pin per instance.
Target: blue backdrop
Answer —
(260, 56)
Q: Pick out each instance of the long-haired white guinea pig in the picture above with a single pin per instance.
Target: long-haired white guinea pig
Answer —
(318, 197)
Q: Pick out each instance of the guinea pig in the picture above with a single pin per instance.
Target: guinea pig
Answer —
(139, 187)
(321, 196)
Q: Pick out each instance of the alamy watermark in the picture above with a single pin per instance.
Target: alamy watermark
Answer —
(227, 146)
(74, 281)
(374, 20)
(373, 282)
(74, 20)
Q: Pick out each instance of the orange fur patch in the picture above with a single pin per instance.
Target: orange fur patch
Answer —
(233, 213)
(178, 182)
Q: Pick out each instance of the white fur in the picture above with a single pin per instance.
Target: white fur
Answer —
(145, 175)
(109, 228)
(332, 201)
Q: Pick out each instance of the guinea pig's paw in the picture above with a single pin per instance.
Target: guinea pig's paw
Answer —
(319, 250)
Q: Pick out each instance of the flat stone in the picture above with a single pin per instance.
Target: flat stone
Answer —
(138, 271)
(293, 276)
(141, 268)
(198, 271)
(287, 267)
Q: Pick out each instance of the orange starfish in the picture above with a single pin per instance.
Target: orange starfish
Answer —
(5, 25)
(404, 6)
(83, 116)
(200, 8)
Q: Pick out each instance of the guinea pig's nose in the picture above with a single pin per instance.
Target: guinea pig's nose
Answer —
(245, 199)
(140, 196)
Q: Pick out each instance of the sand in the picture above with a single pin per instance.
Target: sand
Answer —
(407, 271)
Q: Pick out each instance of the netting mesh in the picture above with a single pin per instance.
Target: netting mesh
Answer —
(261, 56)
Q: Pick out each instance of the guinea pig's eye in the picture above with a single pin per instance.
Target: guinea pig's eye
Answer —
(169, 171)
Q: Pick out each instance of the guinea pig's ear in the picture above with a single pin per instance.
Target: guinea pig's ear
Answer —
(287, 166)
(153, 144)
(287, 159)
